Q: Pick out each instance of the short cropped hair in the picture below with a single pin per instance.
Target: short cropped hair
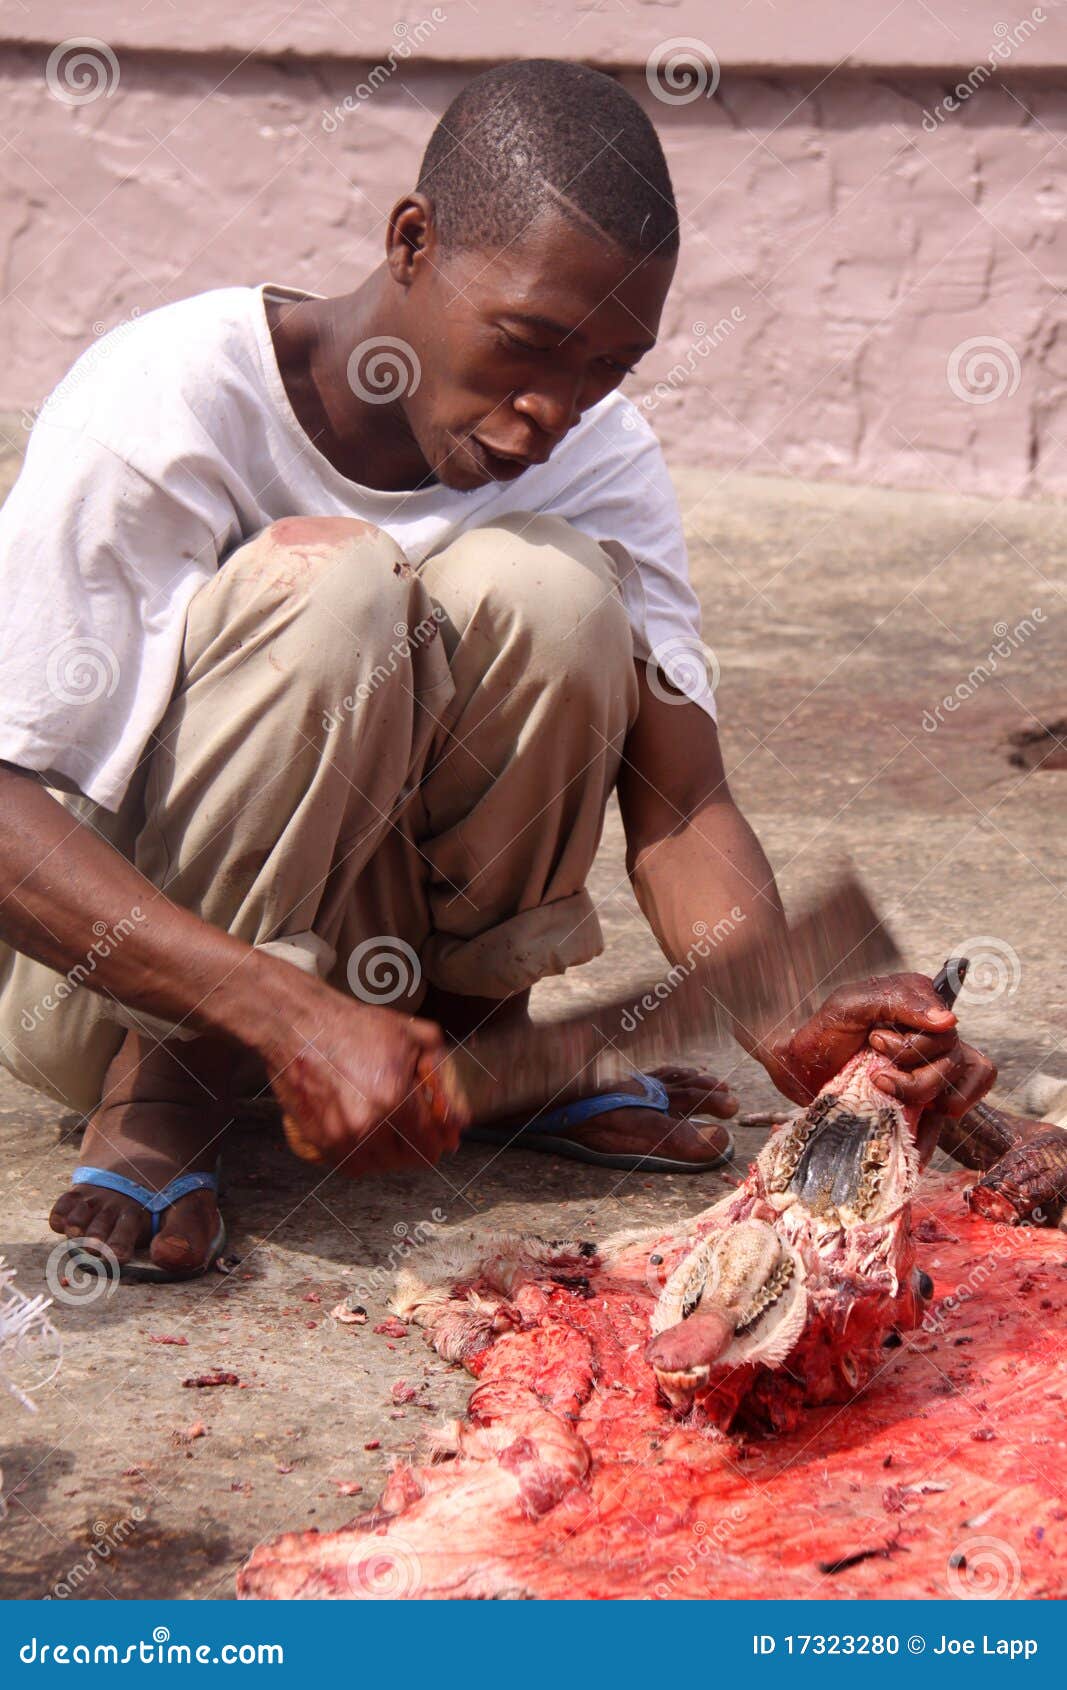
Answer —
(541, 135)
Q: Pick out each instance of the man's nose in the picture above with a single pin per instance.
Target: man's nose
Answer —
(554, 409)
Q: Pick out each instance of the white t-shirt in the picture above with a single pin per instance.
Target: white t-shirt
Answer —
(172, 441)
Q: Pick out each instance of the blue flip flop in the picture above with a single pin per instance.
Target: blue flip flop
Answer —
(543, 1132)
(155, 1202)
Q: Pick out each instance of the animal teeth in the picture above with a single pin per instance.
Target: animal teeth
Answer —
(769, 1294)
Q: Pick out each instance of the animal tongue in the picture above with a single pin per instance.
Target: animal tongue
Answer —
(694, 1343)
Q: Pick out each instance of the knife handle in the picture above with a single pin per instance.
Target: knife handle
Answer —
(948, 980)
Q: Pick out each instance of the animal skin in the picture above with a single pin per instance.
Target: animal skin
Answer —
(594, 1461)
(797, 1279)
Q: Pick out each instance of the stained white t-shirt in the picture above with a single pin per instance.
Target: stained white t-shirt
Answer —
(172, 441)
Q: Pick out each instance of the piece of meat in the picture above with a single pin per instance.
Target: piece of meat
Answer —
(572, 1477)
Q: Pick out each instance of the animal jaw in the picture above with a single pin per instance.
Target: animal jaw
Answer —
(797, 1279)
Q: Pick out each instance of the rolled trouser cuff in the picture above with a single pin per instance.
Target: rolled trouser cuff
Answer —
(516, 953)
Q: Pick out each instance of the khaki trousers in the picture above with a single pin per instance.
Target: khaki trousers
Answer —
(389, 776)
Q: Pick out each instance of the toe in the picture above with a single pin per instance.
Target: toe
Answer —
(696, 1141)
(71, 1208)
(186, 1232)
(131, 1229)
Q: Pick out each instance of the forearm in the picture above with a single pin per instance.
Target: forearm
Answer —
(709, 882)
(69, 899)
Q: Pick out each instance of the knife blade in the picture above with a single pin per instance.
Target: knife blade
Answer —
(763, 985)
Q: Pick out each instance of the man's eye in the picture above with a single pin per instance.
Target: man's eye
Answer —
(514, 344)
(619, 369)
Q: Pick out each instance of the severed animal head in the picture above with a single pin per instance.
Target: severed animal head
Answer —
(799, 1278)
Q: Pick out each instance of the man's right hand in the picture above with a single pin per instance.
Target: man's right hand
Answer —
(356, 1083)
(354, 1080)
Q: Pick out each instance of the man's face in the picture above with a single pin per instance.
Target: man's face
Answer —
(515, 344)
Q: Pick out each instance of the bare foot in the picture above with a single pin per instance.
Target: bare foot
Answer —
(647, 1132)
(161, 1115)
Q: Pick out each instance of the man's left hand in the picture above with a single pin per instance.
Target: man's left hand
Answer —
(901, 1017)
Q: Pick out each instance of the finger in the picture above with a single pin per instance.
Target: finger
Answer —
(921, 1085)
(974, 1075)
(427, 1035)
(906, 1000)
(910, 1050)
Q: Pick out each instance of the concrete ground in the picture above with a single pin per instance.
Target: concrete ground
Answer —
(841, 619)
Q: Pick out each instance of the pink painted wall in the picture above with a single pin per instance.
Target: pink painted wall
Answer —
(871, 278)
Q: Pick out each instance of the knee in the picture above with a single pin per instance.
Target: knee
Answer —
(540, 586)
(347, 582)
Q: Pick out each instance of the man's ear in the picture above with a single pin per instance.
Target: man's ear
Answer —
(410, 237)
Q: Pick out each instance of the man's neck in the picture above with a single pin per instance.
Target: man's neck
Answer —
(313, 341)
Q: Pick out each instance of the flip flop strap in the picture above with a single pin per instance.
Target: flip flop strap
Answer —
(653, 1096)
(154, 1201)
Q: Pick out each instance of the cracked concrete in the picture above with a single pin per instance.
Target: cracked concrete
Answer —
(839, 616)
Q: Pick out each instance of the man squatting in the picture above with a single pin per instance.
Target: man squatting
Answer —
(369, 669)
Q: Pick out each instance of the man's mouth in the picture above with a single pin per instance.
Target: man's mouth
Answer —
(499, 466)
